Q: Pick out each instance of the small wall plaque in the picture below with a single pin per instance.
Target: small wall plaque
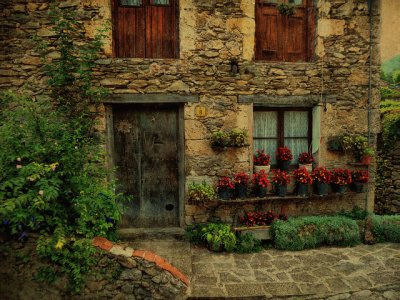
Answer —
(200, 111)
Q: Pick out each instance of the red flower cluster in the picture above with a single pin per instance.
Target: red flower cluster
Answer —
(341, 176)
(305, 158)
(321, 175)
(261, 158)
(280, 177)
(251, 219)
(360, 176)
(283, 154)
(260, 179)
(301, 176)
(241, 178)
(225, 182)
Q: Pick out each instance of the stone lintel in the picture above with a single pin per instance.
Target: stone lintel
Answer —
(286, 101)
(151, 98)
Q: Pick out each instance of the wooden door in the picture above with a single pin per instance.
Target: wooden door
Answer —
(146, 151)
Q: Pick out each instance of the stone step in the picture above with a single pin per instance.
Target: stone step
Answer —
(165, 233)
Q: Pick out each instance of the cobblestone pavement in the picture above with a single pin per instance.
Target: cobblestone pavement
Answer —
(362, 272)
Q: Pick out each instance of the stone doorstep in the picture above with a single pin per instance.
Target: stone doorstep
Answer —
(129, 234)
(108, 246)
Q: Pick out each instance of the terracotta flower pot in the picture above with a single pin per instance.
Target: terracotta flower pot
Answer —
(366, 160)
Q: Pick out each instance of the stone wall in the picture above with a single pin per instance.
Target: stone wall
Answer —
(212, 33)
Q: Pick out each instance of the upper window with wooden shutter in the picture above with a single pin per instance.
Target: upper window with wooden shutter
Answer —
(145, 28)
(284, 30)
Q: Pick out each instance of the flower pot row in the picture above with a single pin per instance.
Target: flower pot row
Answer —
(284, 157)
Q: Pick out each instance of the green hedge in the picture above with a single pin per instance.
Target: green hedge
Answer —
(310, 232)
(386, 228)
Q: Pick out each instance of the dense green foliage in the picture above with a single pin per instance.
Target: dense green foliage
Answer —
(390, 70)
(247, 243)
(200, 192)
(53, 179)
(310, 232)
(386, 228)
(390, 122)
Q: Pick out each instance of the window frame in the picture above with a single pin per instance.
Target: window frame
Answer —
(281, 123)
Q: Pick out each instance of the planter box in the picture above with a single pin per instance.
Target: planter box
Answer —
(259, 232)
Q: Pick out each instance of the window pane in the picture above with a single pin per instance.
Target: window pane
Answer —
(265, 124)
(160, 2)
(269, 145)
(131, 2)
(297, 146)
(296, 124)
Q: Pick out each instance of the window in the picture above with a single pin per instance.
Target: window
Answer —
(278, 127)
(281, 37)
(145, 28)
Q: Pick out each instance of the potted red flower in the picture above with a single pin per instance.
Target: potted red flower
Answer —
(360, 179)
(280, 179)
(283, 156)
(322, 178)
(261, 161)
(240, 180)
(340, 179)
(303, 181)
(260, 183)
(225, 187)
(305, 161)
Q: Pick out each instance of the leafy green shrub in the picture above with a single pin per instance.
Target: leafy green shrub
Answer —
(194, 234)
(200, 192)
(387, 92)
(310, 232)
(386, 228)
(247, 243)
(219, 236)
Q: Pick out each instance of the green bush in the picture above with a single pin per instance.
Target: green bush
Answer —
(219, 236)
(310, 232)
(247, 243)
(386, 228)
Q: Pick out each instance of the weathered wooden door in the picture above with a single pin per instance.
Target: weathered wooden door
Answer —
(146, 151)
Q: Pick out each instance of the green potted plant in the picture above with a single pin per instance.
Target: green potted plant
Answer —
(219, 237)
(322, 178)
(286, 9)
(241, 180)
(261, 161)
(303, 181)
(200, 192)
(280, 179)
(260, 183)
(367, 155)
(283, 157)
(357, 145)
(220, 140)
(340, 179)
(239, 137)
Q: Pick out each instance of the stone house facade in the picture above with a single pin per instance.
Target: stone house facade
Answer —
(188, 68)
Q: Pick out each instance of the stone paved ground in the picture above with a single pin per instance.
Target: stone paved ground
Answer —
(362, 272)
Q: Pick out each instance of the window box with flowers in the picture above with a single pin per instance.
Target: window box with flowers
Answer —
(305, 161)
(241, 180)
(283, 157)
(260, 183)
(257, 223)
(303, 182)
(261, 161)
(340, 179)
(281, 180)
(360, 179)
(225, 188)
(322, 177)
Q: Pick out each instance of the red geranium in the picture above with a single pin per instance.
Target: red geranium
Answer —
(280, 177)
(321, 175)
(301, 176)
(241, 178)
(225, 182)
(341, 177)
(260, 179)
(305, 158)
(261, 158)
(251, 219)
(360, 176)
(283, 154)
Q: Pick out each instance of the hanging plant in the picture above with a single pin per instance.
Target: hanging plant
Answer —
(286, 9)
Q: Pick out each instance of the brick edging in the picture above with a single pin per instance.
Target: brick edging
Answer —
(108, 246)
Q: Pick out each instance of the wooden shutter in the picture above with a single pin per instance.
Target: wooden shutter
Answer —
(145, 29)
(281, 37)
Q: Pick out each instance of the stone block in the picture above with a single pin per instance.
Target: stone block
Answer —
(329, 27)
